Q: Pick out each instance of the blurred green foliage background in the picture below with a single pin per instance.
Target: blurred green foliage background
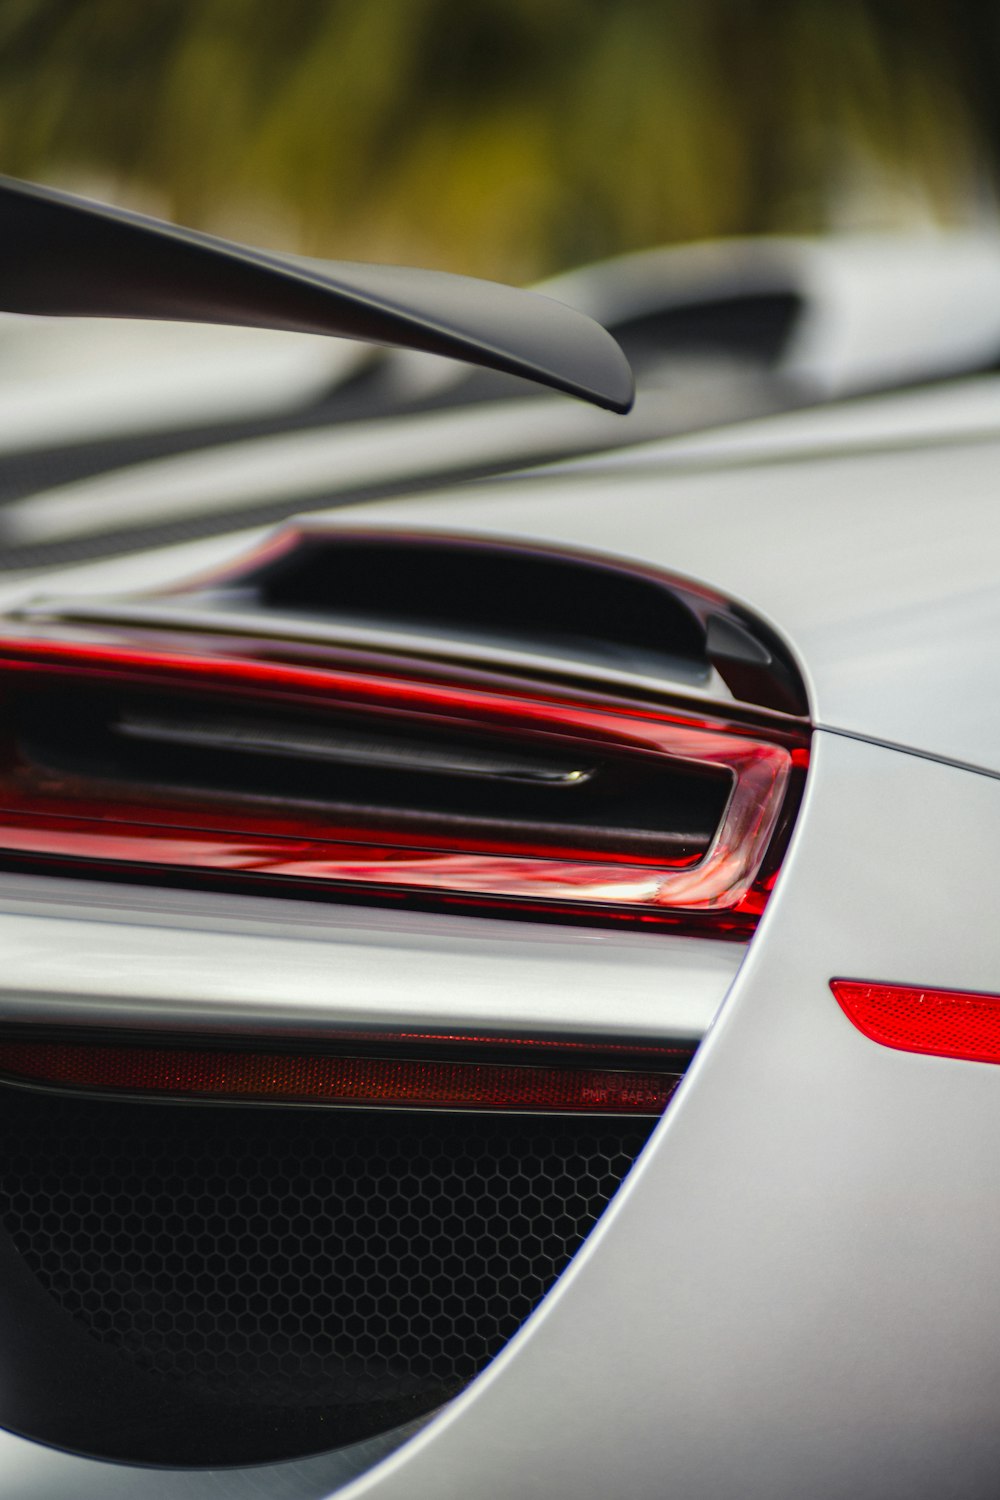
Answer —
(508, 138)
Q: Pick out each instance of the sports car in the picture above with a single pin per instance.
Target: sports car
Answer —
(501, 987)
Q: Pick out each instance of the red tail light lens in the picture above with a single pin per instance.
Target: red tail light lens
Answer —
(945, 1023)
(323, 1079)
(266, 770)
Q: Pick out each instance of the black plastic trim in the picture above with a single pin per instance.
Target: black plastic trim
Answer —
(64, 255)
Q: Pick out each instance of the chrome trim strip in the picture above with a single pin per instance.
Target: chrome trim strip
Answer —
(89, 952)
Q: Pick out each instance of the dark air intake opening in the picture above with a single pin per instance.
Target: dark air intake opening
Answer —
(509, 597)
(198, 1285)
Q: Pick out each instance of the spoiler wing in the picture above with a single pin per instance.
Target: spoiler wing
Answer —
(64, 255)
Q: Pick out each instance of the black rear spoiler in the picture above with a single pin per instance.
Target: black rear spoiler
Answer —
(64, 255)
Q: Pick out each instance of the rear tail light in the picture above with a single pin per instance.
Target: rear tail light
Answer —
(326, 778)
(322, 1078)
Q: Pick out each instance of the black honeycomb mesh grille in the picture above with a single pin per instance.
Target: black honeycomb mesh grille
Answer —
(273, 1260)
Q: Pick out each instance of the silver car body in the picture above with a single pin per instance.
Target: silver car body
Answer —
(870, 312)
(795, 1291)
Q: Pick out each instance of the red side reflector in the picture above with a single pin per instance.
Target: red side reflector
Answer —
(944, 1023)
(324, 1079)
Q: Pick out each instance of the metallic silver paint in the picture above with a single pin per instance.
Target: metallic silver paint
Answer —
(326, 462)
(83, 952)
(875, 309)
(29, 1471)
(877, 565)
(878, 568)
(795, 1293)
